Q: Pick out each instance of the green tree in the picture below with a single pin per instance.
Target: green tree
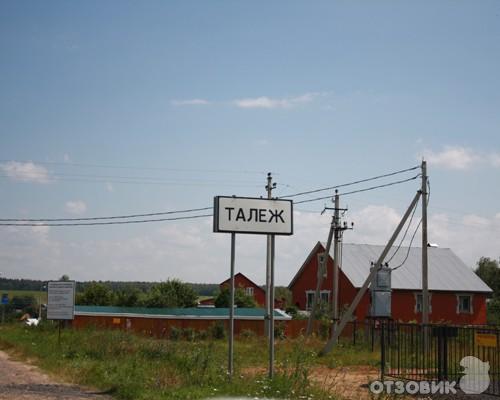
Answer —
(240, 299)
(488, 270)
(128, 298)
(170, 294)
(64, 278)
(95, 294)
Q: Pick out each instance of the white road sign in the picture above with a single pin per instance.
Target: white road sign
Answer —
(61, 300)
(253, 215)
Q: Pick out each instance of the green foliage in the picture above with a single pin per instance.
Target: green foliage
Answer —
(170, 294)
(128, 298)
(135, 367)
(95, 294)
(283, 293)
(217, 330)
(240, 299)
(494, 311)
(489, 271)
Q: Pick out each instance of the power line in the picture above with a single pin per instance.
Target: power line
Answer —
(101, 218)
(409, 247)
(406, 232)
(351, 183)
(110, 166)
(111, 222)
(360, 190)
(50, 221)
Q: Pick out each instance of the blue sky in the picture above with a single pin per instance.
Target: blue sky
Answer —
(197, 99)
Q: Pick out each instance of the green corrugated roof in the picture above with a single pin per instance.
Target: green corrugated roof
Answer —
(200, 312)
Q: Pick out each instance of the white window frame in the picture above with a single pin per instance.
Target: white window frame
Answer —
(311, 292)
(416, 308)
(249, 291)
(471, 308)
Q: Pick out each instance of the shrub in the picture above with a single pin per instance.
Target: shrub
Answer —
(217, 330)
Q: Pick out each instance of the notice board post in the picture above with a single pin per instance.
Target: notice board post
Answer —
(252, 216)
(61, 302)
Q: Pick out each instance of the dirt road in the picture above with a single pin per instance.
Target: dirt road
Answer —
(20, 381)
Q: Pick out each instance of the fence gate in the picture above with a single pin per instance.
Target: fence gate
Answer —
(467, 355)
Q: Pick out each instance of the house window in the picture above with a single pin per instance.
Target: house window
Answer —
(324, 296)
(419, 302)
(249, 291)
(464, 304)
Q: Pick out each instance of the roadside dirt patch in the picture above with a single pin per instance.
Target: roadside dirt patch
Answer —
(20, 381)
(350, 383)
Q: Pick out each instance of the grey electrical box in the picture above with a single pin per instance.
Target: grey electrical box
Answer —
(381, 293)
(383, 279)
(381, 304)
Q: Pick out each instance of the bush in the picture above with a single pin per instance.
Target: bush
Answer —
(175, 333)
(217, 330)
(279, 330)
(247, 334)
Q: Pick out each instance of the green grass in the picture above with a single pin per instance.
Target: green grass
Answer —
(37, 294)
(135, 367)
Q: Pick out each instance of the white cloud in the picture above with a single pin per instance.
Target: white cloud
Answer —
(25, 172)
(453, 158)
(270, 103)
(190, 251)
(109, 187)
(66, 158)
(461, 158)
(76, 207)
(190, 102)
(495, 159)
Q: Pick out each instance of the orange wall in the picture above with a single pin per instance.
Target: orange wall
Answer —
(161, 327)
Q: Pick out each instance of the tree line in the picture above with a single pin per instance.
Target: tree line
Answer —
(489, 271)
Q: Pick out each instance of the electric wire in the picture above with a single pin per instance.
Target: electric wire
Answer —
(409, 246)
(102, 218)
(110, 166)
(110, 222)
(416, 229)
(56, 221)
(404, 235)
(350, 183)
(360, 190)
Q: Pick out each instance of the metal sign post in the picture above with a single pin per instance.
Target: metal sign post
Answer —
(60, 302)
(230, 367)
(257, 216)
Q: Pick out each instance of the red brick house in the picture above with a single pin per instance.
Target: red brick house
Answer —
(250, 288)
(457, 294)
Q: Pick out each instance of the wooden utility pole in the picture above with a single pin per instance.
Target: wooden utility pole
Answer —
(425, 272)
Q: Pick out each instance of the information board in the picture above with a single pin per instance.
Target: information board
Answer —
(61, 300)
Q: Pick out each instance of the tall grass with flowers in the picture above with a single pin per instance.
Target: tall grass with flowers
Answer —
(133, 367)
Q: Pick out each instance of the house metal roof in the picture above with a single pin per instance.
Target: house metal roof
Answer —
(446, 271)
(177, 313)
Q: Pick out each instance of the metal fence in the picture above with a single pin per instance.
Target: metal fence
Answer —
(468, 355)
